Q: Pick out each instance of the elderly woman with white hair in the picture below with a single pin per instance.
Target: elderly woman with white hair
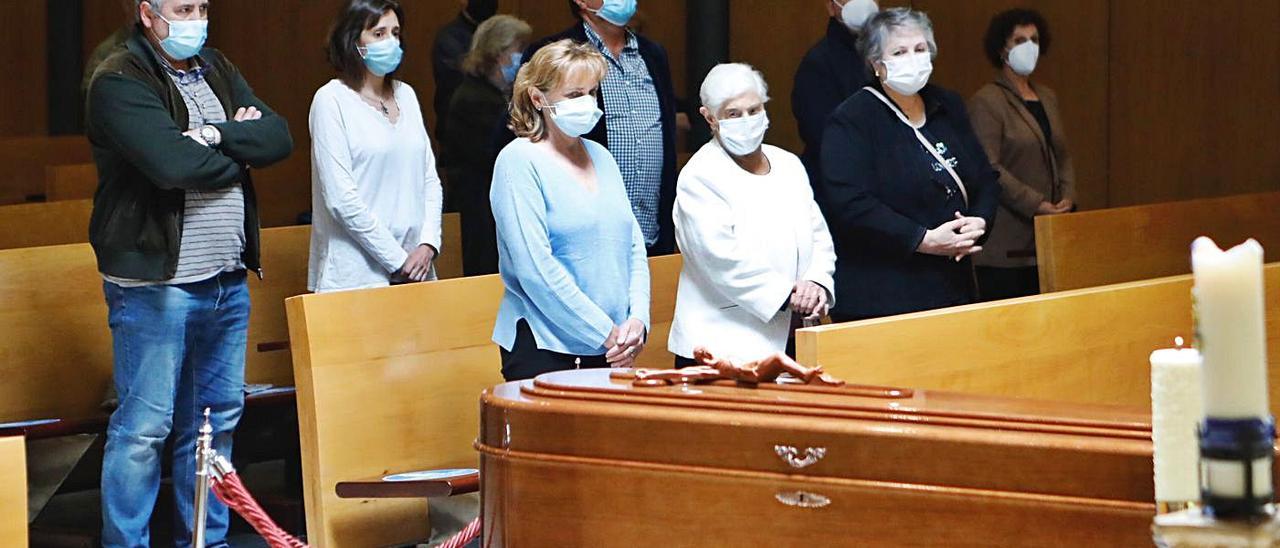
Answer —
(907, 188)
(756, 248)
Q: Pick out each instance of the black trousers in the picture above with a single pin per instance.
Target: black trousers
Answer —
(479, 240)
(995, 284)
(526, 360)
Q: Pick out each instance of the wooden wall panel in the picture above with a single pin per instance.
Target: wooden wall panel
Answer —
(101, 18)
(1192, 90)
(1076, 69)
(790, 32)
(24, 99)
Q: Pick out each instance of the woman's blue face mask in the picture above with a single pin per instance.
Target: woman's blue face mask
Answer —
(510, 71)
(382, 57)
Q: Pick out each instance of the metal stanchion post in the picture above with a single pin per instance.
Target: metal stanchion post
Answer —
(204, 449)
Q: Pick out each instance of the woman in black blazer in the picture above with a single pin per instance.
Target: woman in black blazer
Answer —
(907, 189)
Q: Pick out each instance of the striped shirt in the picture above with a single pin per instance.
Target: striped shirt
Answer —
(213, 237)
(633, 123)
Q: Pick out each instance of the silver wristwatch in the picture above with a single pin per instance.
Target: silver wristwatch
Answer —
(211, 135)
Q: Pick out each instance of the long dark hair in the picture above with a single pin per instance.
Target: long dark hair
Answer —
(354, 18)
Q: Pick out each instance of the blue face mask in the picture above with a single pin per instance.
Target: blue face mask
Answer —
(185, 37)
(509, 71)
(382, 57)
(617, 12)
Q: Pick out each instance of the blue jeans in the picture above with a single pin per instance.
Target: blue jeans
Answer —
(178, 349)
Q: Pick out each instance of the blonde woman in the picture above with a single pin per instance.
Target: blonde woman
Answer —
(572, 256)
(478, 106)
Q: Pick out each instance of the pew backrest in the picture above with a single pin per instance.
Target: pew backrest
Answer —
(70, 182)
(44, 223)
(13, 491)
(56, 347)
(1108, 246)
(389, 380)
(1086, 346)
(25, 160)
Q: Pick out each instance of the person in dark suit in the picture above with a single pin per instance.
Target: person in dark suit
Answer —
(830, 72)
(639, 103)
(451, 46)
(907, 189)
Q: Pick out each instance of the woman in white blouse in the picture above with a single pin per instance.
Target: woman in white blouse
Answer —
(376, 197)
(756, 248)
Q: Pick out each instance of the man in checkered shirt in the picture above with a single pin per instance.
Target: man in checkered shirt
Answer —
(639, 104)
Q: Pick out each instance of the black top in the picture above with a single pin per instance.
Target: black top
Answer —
(831, 71)
(655, 58)
(881, 191)
(452, 44)
(467, 163)
(1042, 118)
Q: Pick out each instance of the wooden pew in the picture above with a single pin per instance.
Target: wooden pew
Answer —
(1086, 346)
(70, 182)
(13, 491)
(1108, 246)
(45, 223)
(25, 159)
(57, 347)
(389, 381)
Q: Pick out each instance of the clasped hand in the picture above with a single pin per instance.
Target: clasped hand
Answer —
(809, 299)
(417, 267)
(625, 343)
(1048, 208)
(957, 238)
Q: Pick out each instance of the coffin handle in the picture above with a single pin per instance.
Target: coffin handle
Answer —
(798, 459)
(802, 499)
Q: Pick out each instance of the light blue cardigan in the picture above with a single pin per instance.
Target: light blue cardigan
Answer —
(573, 261)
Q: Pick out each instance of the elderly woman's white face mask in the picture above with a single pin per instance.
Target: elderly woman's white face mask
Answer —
(907, 62)
(740, 124)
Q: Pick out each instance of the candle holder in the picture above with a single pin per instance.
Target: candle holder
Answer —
(1236, 457)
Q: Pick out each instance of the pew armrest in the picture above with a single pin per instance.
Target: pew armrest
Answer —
(53, 428)
(379, 488)
(97, 424)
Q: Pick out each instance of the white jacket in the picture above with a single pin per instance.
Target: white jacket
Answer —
(375, 192)
(746, 239)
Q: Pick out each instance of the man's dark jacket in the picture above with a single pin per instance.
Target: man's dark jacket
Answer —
(136, 119)
(830, 72)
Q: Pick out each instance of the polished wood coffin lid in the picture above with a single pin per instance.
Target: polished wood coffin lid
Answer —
(863, 433)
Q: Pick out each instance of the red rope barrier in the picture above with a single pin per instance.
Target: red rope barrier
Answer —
(232, 492)
(467, 534)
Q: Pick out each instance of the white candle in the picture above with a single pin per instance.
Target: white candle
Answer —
(1230, 328)
(1175, 413)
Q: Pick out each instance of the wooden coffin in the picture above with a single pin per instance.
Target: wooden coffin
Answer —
(579, 459)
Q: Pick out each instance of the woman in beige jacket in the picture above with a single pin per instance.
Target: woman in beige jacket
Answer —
(1019, 125)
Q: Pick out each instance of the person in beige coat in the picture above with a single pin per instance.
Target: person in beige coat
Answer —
(1018, 123)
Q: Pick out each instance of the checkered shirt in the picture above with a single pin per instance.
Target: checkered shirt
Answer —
(633, 121)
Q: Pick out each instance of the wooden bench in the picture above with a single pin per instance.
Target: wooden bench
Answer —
(44, 223)
(57, 346)
(389, 381)
(13, 491)
(25, 159)
(70, 182)
(1109, 246)
(1087, 346)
